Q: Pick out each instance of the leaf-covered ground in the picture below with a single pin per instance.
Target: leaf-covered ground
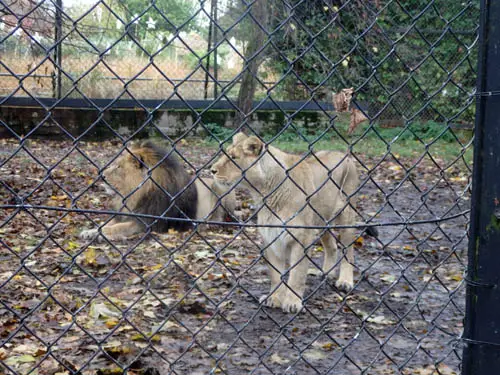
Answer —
(187, 303)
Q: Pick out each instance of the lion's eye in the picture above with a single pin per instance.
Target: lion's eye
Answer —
(233, 157)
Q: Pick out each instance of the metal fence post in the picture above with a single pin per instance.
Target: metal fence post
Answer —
(216, 75)
(209, 47)
(482, 320)
(57, 81)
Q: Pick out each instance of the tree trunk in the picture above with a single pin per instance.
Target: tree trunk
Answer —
(252, 63)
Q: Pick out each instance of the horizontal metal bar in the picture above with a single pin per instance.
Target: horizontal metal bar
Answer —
(111, 78)
(464, 213)
(267, 105)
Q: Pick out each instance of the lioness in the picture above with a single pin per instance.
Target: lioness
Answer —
(148, 180)
(209, 195)
(297, 193)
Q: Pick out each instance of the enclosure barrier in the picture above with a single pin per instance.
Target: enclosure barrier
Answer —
(481, 320)
(242, 277)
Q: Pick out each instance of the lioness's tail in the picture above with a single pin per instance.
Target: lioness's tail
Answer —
(350, 179)
(371, 231)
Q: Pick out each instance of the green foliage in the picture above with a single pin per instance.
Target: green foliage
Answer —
(193, 60)
(150, 29)
(296, 133)
(218, 132)
(411, 53)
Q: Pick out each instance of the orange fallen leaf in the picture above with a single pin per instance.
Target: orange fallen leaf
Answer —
(59, 197)
(110, 323)
(359, 241)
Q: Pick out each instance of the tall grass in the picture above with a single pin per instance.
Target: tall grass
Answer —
(109, 78)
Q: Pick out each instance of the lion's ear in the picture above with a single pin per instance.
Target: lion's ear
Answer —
(134, 144)
(252, 146)
(238, 137)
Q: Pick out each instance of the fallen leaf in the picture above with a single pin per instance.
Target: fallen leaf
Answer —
(388, 278)
(25, 358)
(328, 346)
(436, 238)
(156, 267)
(59, 197)
(275, 358)
(110, 323)
(457, 277)
(118, 349)
(112, 344)
(101, 310)
(168, 326)
(359, 241)
(380, 320)
(314, 354)
(72, 246)
(202, 254)
(90, 256)
(140, 337)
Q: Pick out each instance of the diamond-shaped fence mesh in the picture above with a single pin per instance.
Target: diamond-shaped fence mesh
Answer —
(301, 205)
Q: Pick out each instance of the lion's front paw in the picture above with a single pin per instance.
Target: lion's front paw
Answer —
(88, 234)
(91, 234)
(292, 304)
(344, 285)
(272, 300)
(331, 274)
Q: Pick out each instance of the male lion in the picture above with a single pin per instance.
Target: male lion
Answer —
(295, 192)
(148, 180)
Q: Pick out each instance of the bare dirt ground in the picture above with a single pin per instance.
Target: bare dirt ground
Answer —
(187, 303)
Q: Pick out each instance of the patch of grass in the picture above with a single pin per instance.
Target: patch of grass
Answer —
(372, 147)
(375, 141)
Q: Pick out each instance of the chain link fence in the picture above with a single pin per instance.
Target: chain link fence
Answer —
(334, 246)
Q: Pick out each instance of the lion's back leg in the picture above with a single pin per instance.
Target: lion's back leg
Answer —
(329, 243)
(346, 275)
